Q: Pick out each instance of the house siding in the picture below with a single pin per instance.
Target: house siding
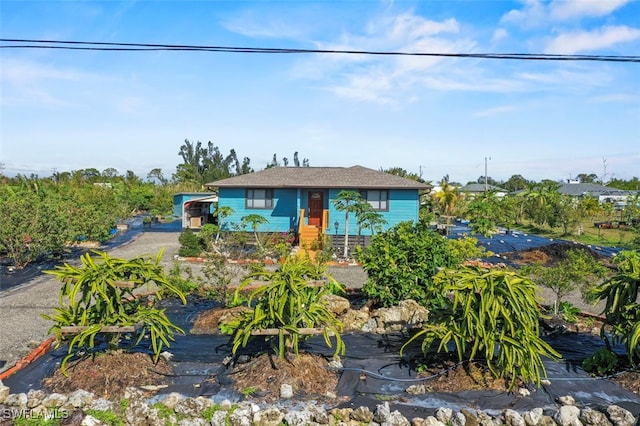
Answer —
(403, 206)
(282, 217)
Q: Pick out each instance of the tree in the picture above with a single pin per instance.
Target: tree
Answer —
(204, 164)
(516, 183)
(157, 174)
(564, 212)
(370, 219)
(32, 226)
(448, 198)
(110, 173)
(578, 270)
(402, 261)
(399, 171)
(590, 207)
(347, 202)
(538, 197)
(631, 185)
(254, 220)
(489, 180)
(482, 212)
(587, 178)
(510, 210)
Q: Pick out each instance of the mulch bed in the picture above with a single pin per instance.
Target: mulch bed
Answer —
(108, 375)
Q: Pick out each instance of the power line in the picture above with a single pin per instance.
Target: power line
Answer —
(136, 47)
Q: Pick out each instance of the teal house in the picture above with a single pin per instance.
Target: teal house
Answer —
(300, 199)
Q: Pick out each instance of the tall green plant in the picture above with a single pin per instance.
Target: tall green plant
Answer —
(579, 270)
(401, 262)
(491, 314)
(288, 302)
(621, 309)
(347, 202)
(254, 220)
(102, 292)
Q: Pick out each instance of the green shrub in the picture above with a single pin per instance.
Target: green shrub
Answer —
(186, 284)
(602, 362)
(401, 263)
(190, 244)
(490, 313)
(569, 312)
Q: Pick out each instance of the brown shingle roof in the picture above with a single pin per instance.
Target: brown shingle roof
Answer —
(318, 177)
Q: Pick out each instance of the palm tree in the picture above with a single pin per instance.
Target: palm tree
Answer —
(254, 220)
(370, 219)
(448, 198)
(347, 201)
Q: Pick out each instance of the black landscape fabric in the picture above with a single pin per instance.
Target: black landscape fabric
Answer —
(372, 368)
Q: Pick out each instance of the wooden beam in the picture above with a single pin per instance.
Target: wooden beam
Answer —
(257, 284)
(124, 284)
(276, 331)
(76, 329)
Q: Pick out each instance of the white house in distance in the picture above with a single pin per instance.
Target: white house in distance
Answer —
(603, 194)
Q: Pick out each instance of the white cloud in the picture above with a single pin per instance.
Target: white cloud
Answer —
(499, 110)
(499, 34)
(373, 87)
(407, 27)
(616, 98)
(532, 14)
(561, 10)
(28, 82)
(20, 71)
(588, 41)
(536, 12)
(388, 80)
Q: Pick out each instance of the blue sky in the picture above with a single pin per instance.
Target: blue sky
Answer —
(67, 110)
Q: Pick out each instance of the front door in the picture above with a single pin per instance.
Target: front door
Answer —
(316, 204)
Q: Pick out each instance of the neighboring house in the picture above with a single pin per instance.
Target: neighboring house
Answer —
(474, 189)
(603, 194)
(195, 208)
(300, 199)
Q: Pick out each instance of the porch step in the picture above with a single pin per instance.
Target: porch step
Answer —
(309, 236)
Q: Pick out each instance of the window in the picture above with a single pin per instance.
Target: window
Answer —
(259, 199)
(378, 199)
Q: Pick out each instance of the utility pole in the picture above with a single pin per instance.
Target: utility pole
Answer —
(486, 186)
